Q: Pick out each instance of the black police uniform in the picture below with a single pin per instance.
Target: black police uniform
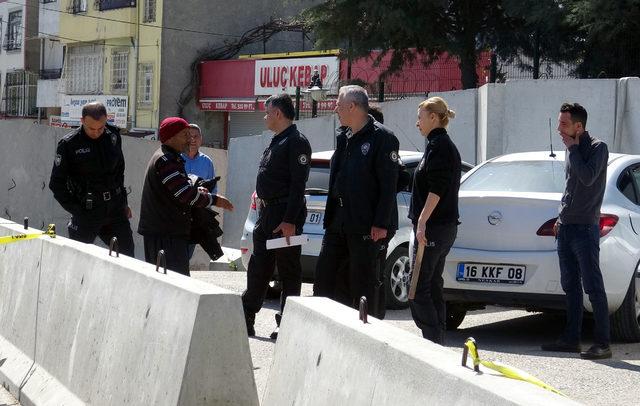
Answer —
(439, 172)
(362, 193)
(87, 180)
(280, 186)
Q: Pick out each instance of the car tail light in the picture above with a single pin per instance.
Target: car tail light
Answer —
(252, 206)
(607, 222)
(546, 230)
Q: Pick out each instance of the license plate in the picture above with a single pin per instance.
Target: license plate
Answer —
(491, 273)
(313, 217)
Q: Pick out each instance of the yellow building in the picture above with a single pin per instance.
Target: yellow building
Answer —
(112, 49)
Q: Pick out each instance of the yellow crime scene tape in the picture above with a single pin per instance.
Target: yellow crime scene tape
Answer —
(51, 232)
(510, 372)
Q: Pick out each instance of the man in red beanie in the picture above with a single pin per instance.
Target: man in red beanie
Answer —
(168, 196)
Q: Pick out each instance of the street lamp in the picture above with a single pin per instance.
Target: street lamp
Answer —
(315, 92)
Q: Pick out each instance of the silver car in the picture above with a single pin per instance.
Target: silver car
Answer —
(397, 270)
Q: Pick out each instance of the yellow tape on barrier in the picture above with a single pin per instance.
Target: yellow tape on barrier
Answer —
(506, 370)
(51, 232)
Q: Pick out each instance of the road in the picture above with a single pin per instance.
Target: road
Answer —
(506, 335)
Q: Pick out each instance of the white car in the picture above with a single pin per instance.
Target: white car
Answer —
(397, 269)
(505, 252)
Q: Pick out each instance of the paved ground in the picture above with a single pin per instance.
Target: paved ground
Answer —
(6, 399)
(510, 336)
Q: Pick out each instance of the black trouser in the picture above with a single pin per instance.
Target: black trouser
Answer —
(105, 220)
(263, 262)
(176, 252)
(348, 268)
(428, 307)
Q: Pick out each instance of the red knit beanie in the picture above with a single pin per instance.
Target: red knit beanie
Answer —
(171, 126)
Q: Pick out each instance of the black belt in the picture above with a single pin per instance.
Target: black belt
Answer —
(109, 194)
(271, 202)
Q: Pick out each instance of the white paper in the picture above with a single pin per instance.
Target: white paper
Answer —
(282, 242)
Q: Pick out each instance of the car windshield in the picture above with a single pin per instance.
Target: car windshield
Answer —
(517, 176)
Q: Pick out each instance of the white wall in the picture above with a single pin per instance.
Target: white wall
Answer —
(528, 106)
(49, 18)
(628, 117)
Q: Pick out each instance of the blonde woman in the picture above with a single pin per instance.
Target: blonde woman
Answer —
(434, 214)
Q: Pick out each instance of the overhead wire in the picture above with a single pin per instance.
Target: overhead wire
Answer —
(187, 30)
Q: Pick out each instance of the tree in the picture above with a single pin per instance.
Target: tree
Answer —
(463, 28)
(609, 32)
(538, 30)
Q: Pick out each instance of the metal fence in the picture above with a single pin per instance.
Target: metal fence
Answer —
(19, 94)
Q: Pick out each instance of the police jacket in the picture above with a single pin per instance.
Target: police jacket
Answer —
(363, 179)
(439, 173)
(283, 172)
(83, 164)
(168, 196)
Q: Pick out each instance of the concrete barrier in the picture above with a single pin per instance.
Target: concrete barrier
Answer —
(80, 327)
(325, 356)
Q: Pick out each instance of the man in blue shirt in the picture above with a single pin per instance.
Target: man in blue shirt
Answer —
(196, 162)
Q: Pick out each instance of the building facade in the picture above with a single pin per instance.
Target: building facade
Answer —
(19, 57)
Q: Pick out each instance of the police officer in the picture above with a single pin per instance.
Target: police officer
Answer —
(280, 186)
(361, 209)
(87, 180)
(434, 214)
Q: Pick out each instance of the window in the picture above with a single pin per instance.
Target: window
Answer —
(20, 96)
(77, 6)
(629, 184)
(83, 70)
(149, 11)
(145, 85)
(14, 31)
(119, 71)
(517, 176)
(48, 1)
(104, 5)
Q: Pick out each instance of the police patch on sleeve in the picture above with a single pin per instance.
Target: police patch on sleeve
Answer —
(303, 159)
(114, 139)
(394, 156)
(58, 160)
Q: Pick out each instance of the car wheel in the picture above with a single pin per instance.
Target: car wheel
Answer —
(625, 322)
(455, 315)
(397, 278)
(274, 290)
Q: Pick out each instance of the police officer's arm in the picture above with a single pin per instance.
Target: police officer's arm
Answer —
(387, 168)
(59, 179)
(587, 169)
(299, 160)
(120, 172)
(179, 187)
